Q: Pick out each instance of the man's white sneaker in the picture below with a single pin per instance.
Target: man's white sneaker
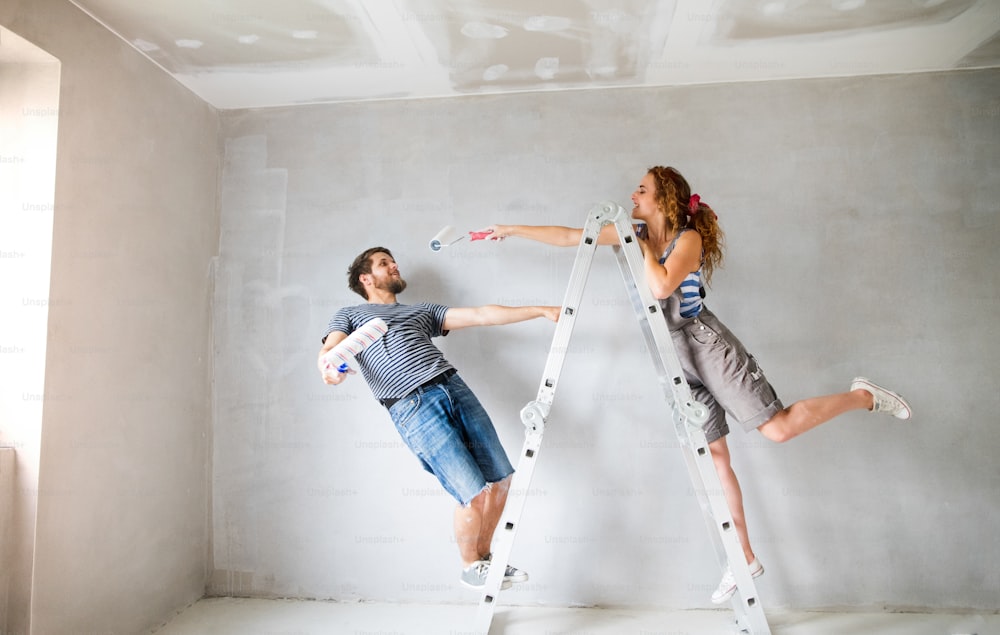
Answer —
(727, 586)
(511, 574)
(474, 576)
(885, 400)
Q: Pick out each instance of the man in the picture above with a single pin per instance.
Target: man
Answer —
(438, 417)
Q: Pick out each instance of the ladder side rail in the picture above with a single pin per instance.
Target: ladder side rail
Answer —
(747, 608)
(677, 391)
(534, 415)
(688, 417)
(508, 526)
(571, 305)
(650, 315)
(650, 342)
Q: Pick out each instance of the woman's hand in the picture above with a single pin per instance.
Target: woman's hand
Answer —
(497, 232)
(643, 246)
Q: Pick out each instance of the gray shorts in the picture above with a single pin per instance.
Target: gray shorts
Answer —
(723, 376)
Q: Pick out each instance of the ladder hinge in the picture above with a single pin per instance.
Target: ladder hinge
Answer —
(534, 414)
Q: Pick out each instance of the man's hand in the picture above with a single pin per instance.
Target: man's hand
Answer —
(334, 376)
(552, 312)
(331, 374)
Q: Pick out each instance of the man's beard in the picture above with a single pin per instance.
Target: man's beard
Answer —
(393, 285)
(397, 285)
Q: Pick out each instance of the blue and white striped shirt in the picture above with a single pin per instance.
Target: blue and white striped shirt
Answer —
(405, 357)
(689, 291)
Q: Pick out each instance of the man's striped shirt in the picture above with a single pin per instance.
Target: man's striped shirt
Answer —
(405, 357)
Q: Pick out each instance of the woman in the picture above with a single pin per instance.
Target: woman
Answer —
(682, 246)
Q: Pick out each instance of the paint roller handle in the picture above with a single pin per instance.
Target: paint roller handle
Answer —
(496, 233)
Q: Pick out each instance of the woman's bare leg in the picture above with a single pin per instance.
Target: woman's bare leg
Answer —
(805, 415)
(732, 491)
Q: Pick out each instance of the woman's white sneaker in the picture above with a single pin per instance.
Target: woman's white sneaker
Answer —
(884, 400)
(727, 586)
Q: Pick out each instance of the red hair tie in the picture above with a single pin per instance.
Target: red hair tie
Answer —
(693, 204)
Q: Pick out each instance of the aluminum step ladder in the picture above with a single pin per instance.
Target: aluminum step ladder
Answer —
(688, 417)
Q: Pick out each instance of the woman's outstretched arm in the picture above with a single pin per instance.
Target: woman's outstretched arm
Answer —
(551, 234)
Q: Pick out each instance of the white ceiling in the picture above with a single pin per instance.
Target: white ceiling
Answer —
(256, 53)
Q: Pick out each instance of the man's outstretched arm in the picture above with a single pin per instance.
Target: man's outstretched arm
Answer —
(495, 315)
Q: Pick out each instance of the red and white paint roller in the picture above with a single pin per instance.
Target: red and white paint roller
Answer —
(449, 236)
(337, 358)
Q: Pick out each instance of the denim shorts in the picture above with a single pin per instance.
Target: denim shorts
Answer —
(723, 376)
(446, 427)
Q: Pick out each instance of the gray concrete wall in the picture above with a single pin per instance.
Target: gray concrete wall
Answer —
(122, 538)
(861, 217)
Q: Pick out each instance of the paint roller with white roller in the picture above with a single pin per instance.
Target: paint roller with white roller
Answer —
(445, 238)
(448, 237)
(337, 358)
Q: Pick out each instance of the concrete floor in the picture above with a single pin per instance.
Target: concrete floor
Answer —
(236, 616)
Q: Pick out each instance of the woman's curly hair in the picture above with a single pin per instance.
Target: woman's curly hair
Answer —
(682, 211)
